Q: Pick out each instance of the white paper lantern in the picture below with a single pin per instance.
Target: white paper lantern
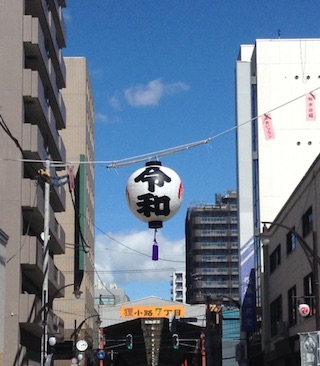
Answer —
(304, 310)
(52, 341)
(154, 194)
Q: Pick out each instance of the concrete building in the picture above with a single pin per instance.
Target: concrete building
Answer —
(108, 296)
(212, 251)
(3, 243)
(277, 140)
(291, 273)
(178, 286)
(32, 72)
(77, 263)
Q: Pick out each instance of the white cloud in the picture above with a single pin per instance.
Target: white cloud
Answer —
(151, 93)
(114, 101)
(101, 117)
(106, 119)
(126, 258)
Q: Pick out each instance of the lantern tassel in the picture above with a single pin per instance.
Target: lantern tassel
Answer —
(155, 248)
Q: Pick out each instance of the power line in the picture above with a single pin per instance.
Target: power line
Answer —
(156, 154)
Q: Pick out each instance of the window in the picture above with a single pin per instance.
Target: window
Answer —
(275, 315)
(291, 241)
(275, 258)
(307, 221)
(308, 285)
(292, 305)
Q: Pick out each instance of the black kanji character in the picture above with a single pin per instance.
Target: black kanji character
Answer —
(150, 203)
(154, 176)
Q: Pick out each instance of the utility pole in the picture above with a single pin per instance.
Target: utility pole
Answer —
(316, 278)
(45, 270)
(101, 343)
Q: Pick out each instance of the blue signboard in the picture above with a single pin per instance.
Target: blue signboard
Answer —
(101, 355)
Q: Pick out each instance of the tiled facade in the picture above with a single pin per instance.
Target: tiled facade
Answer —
(32, 72)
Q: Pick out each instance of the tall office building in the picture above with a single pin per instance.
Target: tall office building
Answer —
(32, 72)
(77, 263)
(212, 250)
(277, 82)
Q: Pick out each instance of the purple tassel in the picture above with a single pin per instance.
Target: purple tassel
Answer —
(155, 251)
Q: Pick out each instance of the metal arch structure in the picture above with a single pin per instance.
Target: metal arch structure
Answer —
(189, 344)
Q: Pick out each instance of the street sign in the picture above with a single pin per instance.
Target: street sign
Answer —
(101, 355)
(162, 311)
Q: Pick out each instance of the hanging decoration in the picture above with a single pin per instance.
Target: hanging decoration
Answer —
(154, 195)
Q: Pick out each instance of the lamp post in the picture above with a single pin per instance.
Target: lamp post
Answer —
(311, 254)
(77, 329)
(45, 269)
(82, 345)
(44, 316)
(45, 265)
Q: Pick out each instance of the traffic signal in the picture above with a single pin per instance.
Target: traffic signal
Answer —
(129, 341)
(175, 341)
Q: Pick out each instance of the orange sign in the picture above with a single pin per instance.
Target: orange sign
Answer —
(152, 311)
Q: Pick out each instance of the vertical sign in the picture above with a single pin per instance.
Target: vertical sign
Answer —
(268, 126)
(309, 344)
(310, 107)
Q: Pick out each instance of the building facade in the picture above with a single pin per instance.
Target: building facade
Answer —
(277, 139)
(291, 274)
(178, 286)
(32, 72)
(77, 263)
(212, 251)
(3, 243)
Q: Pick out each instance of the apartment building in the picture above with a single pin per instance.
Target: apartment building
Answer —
(178, 286)
(212, 251)
(32, 72)
(277, 81)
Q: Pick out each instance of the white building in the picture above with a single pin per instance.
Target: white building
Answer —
(278, 135)
(178, 286)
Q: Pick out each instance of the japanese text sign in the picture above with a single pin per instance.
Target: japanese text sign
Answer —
(152, 311)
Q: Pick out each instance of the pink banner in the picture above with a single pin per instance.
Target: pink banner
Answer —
(310, 107)
(268, 126)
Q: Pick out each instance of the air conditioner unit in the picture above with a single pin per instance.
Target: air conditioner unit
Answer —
(282, 329)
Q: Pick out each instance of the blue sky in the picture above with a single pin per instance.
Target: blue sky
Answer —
(162, 74)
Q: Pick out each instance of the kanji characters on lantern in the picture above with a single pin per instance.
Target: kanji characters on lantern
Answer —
(154, 193)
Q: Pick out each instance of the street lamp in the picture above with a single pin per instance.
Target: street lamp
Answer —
(311, 254)
(81, 345)
(44, 313)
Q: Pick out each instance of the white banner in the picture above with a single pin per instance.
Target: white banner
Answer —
(309, 349)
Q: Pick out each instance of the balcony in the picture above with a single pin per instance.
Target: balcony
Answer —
(33, 147)
(32, 202)
(52, 31)
(32, 262)
(30, 309)
(39, 113)
(32, 144)
(32, 259)
(59, 22)
(37, 59)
